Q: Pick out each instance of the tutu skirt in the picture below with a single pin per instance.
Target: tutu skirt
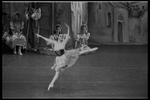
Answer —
(68, 59)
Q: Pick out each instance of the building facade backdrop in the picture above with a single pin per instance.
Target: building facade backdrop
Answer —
(118, 22)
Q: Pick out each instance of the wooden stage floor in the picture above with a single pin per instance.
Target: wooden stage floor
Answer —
(110, 72)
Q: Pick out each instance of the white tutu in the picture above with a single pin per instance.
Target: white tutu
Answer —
(66, 60)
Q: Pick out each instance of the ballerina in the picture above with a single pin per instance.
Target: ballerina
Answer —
(64, 58)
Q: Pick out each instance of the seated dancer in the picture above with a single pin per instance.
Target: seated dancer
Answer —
(82, 40)
(17, 39)
(64, 58)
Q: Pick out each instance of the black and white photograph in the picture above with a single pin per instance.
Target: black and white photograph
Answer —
(75, 49)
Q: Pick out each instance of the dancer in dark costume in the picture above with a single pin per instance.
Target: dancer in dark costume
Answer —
(33, 14)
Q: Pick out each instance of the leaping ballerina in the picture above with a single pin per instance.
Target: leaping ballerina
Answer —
(64, 58)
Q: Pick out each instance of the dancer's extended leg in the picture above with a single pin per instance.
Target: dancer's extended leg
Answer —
(54, 79)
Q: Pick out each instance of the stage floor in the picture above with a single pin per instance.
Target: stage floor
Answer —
(110, 72)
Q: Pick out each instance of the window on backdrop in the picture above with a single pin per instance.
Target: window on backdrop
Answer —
(108, 19)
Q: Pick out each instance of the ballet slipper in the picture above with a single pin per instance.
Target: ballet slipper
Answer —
(53, 67)
(50, 86)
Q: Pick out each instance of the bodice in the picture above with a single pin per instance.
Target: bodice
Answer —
(60, 52)
(17, 26)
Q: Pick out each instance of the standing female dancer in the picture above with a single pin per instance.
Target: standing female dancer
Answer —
(64, 58)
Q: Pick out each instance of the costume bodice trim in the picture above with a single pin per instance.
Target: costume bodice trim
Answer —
(60, 52)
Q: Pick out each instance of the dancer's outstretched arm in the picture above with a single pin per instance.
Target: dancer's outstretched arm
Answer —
(67, 36)
(68, 29)
(46, 39)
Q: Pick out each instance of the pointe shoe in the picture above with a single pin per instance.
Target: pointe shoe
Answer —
(53, 67)
(50, 86)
